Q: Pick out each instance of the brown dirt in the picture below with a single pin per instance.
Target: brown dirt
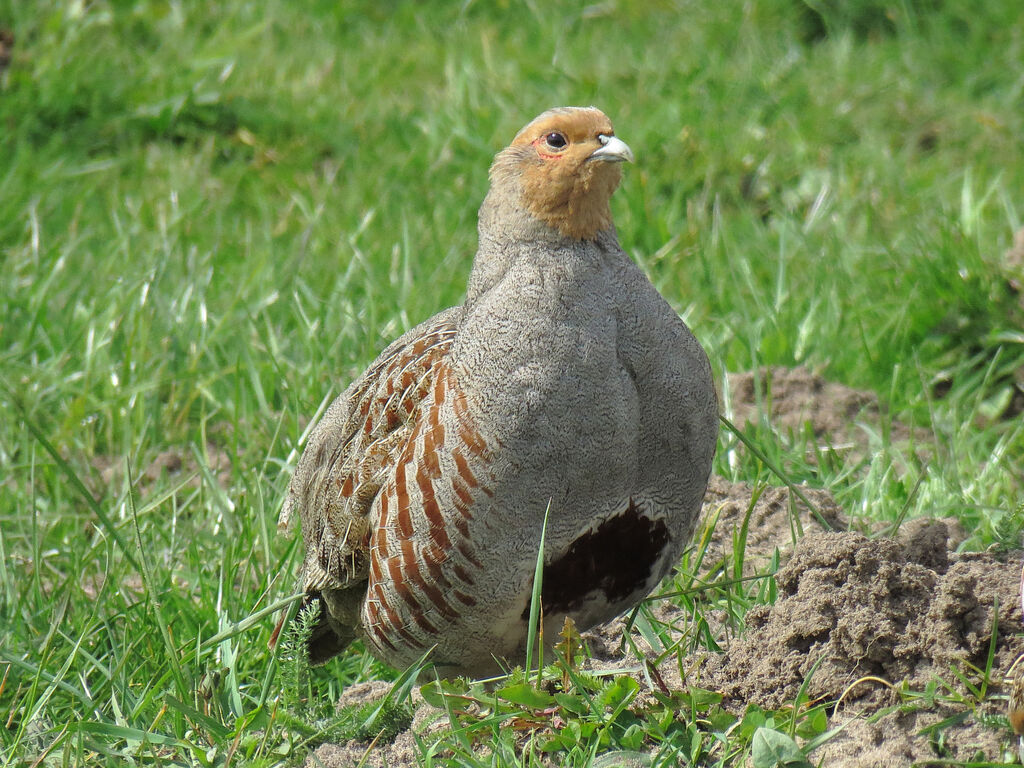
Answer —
(858, 607)
(792, 397)
(907, 611)
(840, 419)
(6, 44)
(173, 463)
(776, 521)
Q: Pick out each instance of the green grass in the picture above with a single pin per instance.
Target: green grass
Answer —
(215, 214)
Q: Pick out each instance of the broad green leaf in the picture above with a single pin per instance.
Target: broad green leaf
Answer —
(435, 692)
(525, 695)
(572, 703)
(622, 690)
(633, 738)
(774, 749)
(702, 700)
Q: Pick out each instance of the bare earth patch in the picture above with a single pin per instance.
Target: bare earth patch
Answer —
(887, 610)
(777, 520)
(858, 617)
(797, 401)
(171, 463)
(793, 397)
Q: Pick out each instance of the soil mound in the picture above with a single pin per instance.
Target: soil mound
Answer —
(797, 403)
(857, 607)
(793, 397)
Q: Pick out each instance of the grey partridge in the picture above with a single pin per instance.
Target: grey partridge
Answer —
(564, 384)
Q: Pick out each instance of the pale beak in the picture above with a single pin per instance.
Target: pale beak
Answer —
(613, 150)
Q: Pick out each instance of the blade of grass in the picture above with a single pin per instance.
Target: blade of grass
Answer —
(535, 597)
(154, 600)
(249, 621)
(73, 479)
(793, 487)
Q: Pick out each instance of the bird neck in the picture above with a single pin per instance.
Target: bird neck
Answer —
(508, 231)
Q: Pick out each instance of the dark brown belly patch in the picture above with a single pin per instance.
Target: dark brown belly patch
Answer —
(615, 559)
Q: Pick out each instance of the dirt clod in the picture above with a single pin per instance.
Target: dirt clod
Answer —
(170, 463)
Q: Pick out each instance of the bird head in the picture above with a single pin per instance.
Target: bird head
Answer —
(563, 167)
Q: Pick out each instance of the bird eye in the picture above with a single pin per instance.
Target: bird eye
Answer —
(555, 140)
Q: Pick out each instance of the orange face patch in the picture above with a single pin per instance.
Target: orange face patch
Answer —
(562, 185)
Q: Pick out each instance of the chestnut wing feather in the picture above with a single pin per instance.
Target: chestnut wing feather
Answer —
(352, 449)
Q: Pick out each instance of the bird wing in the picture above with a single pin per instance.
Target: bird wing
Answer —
(354, 446)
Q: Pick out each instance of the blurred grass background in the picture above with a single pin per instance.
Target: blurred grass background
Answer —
(213, 215)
